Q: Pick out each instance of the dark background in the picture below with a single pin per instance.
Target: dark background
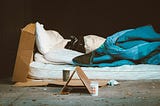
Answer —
(70, 17)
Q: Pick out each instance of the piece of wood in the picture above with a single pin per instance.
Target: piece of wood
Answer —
(83, 78)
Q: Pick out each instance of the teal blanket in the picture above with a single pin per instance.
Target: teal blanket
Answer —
(132, 46)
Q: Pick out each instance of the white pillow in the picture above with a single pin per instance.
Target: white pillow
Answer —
(47, 40)
(92, 42)
(62, 55)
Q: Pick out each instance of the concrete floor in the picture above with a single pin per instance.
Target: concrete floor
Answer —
(128, 93)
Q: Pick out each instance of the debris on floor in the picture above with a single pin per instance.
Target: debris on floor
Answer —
(112, 83)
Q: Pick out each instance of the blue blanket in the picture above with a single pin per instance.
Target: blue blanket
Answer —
(132, 46)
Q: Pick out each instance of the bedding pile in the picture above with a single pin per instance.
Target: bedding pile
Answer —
(133, 46)
(51, 46)
(126, 55)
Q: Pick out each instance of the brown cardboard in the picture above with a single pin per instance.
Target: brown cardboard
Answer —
(83, 78)
(24, 53)
(73, 82)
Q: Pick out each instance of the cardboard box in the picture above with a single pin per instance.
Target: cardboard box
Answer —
(24, 53)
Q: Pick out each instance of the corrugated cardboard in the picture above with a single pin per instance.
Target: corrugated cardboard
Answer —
(73, 82)
(24, 53)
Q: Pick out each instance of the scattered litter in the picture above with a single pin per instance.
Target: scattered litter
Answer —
(153, 87)
(55, 94)
(44, 89)
(129, 93)
(94, 88)
(33, 99)
(112, 82)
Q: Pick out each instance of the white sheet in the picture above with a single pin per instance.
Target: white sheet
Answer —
(61, 55)
(40, 58)
(125, 72)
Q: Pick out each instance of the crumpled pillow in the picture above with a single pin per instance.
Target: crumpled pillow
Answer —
(47, 40)
(92, 42)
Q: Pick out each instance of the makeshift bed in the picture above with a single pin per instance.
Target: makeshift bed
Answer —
(101, 61)
(125, 72)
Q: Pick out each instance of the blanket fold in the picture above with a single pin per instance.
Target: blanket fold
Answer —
(132, 46)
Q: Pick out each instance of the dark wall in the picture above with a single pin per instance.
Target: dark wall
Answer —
(12, 19)
(102, 17)
(70, 17)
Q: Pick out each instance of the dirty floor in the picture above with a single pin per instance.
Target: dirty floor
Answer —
(128, 93)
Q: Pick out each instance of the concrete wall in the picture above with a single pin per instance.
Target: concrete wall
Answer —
(70, 17)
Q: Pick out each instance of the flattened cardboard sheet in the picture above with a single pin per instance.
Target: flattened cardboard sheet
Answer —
(59, 82)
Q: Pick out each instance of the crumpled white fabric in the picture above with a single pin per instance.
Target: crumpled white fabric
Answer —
(47, 40)
(62, 55)
(92, 42)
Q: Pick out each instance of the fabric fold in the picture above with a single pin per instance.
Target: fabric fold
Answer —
(131, 46)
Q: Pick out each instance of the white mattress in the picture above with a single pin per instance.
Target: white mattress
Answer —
(40, 70)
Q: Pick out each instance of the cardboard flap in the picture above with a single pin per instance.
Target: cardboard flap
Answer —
(24, 53)
(27, 41)
(21, 70)
(30, 28)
